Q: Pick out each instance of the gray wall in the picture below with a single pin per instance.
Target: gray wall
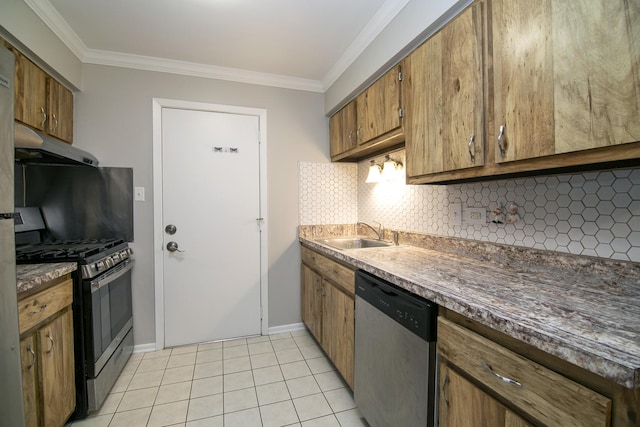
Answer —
(114, 122)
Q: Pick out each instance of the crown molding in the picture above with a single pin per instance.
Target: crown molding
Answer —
(374, 27)
(148, 63)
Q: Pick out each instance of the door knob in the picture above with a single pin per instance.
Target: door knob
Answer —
(173, 247)
(170, 229)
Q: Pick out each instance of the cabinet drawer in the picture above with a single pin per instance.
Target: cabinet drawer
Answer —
(546, 396)
(329, 269)
(38, 307)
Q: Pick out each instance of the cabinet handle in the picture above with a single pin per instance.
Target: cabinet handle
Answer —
(44, 117)
(50, 339)
(471, 142)
(500, 145)
(350, 137)
(445, 385)
(33, 356)
(501, 377)
(55, 122)
(358, 134)
(42, 307)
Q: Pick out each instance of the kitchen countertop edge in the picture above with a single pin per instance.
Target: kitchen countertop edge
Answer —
(623, 372)
(32, 277)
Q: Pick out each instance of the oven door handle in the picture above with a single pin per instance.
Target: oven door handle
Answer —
(110, 277)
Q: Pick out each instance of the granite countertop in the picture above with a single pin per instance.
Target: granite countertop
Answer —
(580, 309)
(33, 276)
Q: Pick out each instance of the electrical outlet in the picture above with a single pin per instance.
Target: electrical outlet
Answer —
(455, 214)
(475, 216)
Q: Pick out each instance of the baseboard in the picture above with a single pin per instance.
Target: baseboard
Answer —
(144, 348)
(286, 328)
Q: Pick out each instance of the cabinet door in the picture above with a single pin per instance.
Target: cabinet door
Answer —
(30, 93)
(596, 65)
(55, 358)
(378, 108)
(338, 328)
(342, 130)
(462, 404)
(60, 108)
(444, 99)
(312, 301)
(29, 380)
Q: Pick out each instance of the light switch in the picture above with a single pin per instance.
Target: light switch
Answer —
(139, 194)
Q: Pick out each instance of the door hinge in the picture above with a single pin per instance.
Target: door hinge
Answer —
(400, 112)
(399, 76)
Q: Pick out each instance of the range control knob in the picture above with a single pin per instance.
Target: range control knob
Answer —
(100, 265)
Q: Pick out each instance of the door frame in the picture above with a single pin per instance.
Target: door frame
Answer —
(158, 238)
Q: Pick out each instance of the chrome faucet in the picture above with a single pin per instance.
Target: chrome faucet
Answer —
(379, 232)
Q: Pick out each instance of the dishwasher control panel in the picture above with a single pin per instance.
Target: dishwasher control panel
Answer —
(411, 311)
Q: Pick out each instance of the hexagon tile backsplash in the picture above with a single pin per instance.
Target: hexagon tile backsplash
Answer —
(591, 213)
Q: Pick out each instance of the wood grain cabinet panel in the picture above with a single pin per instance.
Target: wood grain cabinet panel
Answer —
(60, 108)
(30, 93)
(444, 98)
(328, 308)
(343, 130)
(525, 387)
(378, 107)
(29, 380)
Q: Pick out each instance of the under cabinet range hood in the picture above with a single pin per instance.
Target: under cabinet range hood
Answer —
(33, 147)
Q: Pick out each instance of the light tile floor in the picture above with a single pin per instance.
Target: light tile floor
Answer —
(277, 380)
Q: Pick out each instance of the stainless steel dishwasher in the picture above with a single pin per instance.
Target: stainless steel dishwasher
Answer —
(395, 355)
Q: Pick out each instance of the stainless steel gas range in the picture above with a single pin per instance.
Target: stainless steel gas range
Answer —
(102, 307)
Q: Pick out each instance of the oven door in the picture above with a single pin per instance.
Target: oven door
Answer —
(108, 314)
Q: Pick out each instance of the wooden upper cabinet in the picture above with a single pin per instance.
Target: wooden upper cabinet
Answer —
(343, 130)
(30, 93)
(444, 98)
(566, 76)
(60, 108)
(42, 102)
(378, 107)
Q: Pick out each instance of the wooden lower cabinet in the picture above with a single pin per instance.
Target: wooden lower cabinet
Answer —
(328, 308)
(47, 353)
(483, 383)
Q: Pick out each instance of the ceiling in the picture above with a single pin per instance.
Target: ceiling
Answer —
(302, 44)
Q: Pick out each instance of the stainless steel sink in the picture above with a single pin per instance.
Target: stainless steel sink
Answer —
(354, 243)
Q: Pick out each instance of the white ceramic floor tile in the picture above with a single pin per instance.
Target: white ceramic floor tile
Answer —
(329, 381)
(145, 380)
(260, 347)
(272, 393)
(284, 344)
(168, 414)
(205, 407)
(263, 360)
(351, 418)
(210, 346)
(278, 414)
(313, 406)
(340, 399)
(209, 356)
(122, 383)
(253, 340)
(288, 356)
(184, 349)
(178, 375)
(136, 399)
(94, 421)
(233, 352)
(173, 392)
(326, 421)
(234, 343)
(154, 364)
(130, 367)
(238, 364)
(206, 386)
(245, 418)
(184, 359)
(153, 354)
(110, 404)
(240, 399)
(135, 418)
(207, 422)
(209, 369)
(295, 370)
(281, 336)
(304, 386)
(311, 352)
(304, 340)
(238, 380)
(300, 333)
(270, 374)
(320, 365)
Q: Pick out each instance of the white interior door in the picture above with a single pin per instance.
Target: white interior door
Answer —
(211, 194)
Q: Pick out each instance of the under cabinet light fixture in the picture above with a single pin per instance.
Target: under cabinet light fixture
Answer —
(390, 169)
(374, 173)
